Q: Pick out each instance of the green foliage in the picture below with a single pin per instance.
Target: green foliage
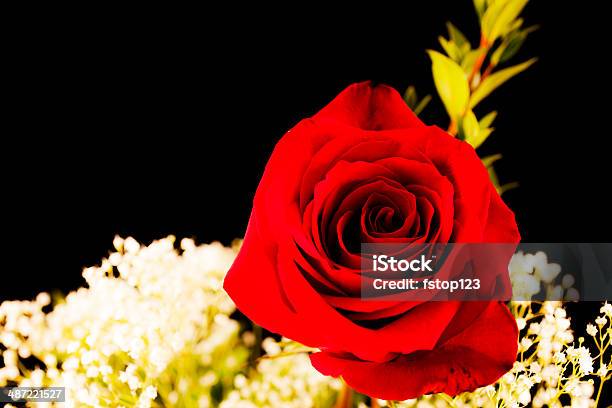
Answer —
(470, 59)
(464, 75)
(451, 48)
(451, 83)
(493, 81)
(457, 46)
(473, 131)
(488, 119)
(511, 45)
(488, 162)
(413, 102)
(458, 37)
(499, 18)
(480, 6)
(422, 105)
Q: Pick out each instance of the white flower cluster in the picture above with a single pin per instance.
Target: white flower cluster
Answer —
(152, 328)
(546, 354)
(551, 370)
(532, 274)
(284, 378)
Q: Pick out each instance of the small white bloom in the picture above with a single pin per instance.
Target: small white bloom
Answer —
(150, 392)
(131, 245)
(591, 329)
(43, 299)
(559, 358)
(549, 272)
(600, 321)
(602, 371)
(526, 342)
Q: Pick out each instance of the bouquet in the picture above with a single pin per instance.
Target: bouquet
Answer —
(279, 319)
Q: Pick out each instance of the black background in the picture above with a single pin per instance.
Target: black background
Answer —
(146, 126)
(166, 128)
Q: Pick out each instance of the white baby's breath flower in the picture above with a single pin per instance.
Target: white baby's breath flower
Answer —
(159, 331)
(150, 392)
(559, 357)
(547, 272)
(526, 342)
(524, 283)
(163, 308)
(591, 329)
(602, 371)
(283, 381)
(532, 274)
(601, 321)
(43, 299)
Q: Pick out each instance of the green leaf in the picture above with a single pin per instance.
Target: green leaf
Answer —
(480, 6)
(499, 51)
(489, 160)
(451, 84)
(510, 45)
(499, 19)
(422, 105)
(488, 163)
(508, 186)
(491, 13)
(482, 136)
(410, 97)
(516, 43)
(458, 38)
(493, 81)
(515, 26)
(450, 48)
(470, 59)
(412, 100)
(470, 130)
(487, 120)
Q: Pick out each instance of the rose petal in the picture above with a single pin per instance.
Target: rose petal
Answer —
(370, 107)
(475, 357)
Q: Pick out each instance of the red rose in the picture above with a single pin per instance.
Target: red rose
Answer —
(365, 169)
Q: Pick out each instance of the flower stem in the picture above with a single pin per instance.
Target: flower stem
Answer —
(601, 383)
(484, 50)
(487, 71)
